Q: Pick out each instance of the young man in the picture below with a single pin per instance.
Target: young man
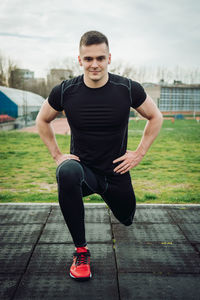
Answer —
(97, 106)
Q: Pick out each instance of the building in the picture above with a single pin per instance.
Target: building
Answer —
(25, 73)
(19, 78)
(153, 90)
(22, 74)
(17, 103)
(57, 75)
(176, 98)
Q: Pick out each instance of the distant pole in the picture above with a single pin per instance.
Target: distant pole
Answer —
(25, 105)
(194, 112)
(26, 120)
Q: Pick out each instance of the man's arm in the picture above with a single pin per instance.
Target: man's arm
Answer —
(43, 122)
(130, 159)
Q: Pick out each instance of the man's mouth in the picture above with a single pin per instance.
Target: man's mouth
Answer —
(94, 71)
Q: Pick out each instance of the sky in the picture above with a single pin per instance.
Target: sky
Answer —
(41, 33)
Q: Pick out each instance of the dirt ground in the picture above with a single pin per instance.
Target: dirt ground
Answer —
(60, 126)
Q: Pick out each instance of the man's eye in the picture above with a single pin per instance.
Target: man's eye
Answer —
(100, 58)
(88, 59)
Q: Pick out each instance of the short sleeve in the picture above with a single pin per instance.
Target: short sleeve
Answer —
(138, 94)
(54, 98)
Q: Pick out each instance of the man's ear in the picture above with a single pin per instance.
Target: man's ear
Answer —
(109, 58)
(79, 60)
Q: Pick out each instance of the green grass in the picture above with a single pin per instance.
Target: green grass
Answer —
(169, 173)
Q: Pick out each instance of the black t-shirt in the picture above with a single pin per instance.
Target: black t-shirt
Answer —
(98, 118)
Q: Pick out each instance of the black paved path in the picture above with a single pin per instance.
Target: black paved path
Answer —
(158, 257)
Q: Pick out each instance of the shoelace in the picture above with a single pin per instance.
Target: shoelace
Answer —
(81, 257)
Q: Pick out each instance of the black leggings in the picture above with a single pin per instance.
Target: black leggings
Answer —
(75, 181)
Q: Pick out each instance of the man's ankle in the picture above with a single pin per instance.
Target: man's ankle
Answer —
(86, 247)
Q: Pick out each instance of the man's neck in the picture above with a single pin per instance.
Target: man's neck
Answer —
(95, 83)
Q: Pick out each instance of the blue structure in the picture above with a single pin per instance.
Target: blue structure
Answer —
(17, 103)
(7, 106)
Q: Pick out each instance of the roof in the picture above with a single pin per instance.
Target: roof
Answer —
(171, 85)
(191, 86)
(6, 118)
(19, 96)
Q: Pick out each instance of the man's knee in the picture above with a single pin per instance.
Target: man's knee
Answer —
(129, 220)
(69, 172)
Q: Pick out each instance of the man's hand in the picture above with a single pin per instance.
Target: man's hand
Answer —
(130, 160)
(62, 157)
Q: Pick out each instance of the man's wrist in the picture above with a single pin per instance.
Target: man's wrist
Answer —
(141, 151)
(57, 156)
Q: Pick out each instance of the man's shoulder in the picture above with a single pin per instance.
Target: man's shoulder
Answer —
(72, 82)
(119, 80)
(128, 82)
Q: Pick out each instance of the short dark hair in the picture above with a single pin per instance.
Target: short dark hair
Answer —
(93, 37)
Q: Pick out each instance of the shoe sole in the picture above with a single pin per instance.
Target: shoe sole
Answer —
(80, 278)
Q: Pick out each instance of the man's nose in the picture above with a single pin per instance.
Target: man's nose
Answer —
(94, 63)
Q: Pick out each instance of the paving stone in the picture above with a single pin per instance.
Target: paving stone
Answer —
(23, 206)
(148, 233)
(26, 233)
(59, 233)
(192, 232)
(13, 258)
(97, 215)
(57, 258)
(175, 258)
(92, 215)
(150, 264)
(152, 215)
(185, 214)
(198, 247)
(102, 286)
(149, 214)
(23, 215)
(150, 286)
(56, 216)
(8, 283)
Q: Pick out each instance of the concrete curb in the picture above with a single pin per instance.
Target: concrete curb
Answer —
(98, 204)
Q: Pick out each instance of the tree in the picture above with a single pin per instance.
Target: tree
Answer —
(15, 79)
(2, 70)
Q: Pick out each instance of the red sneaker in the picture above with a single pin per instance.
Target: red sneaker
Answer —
(80, 268)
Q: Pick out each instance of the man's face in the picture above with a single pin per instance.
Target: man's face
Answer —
(95, 59)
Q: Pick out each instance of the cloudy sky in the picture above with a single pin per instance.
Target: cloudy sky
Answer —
(141, 32)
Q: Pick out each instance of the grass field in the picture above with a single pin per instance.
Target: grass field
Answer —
(169, 173)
